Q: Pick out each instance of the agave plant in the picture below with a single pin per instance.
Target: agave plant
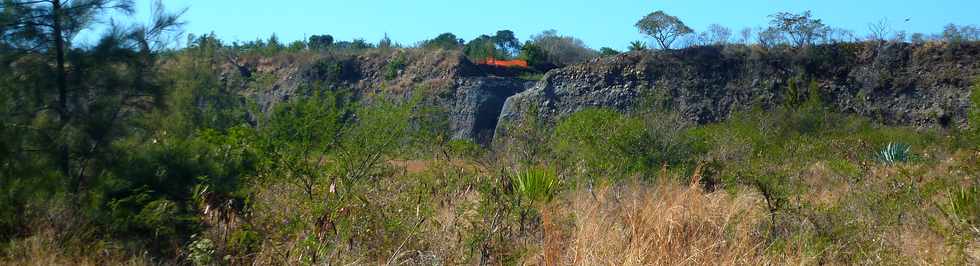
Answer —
(537, 184)
(894, 153)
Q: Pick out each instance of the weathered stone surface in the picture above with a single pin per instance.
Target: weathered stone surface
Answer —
(923, 85)
(916, 85)
(471, 95)
(477, 104)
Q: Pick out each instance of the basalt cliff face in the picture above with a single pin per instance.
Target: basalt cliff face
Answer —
(471, 96)
(921, 85)
(925, 85)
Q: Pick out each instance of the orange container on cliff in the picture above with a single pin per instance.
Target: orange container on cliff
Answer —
(503, 63)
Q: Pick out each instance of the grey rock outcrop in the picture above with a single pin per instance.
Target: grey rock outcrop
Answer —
(472, 96)
(903, 84)
(920, 85)
(477, 105)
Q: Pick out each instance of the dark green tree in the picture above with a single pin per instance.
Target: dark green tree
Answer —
(481, 48)
(507, 42)
(447, 41)
(104, 86)
(317, 42)
(608, 51)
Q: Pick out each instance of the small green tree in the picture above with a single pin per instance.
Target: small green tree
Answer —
(663, 27)
(535, 56)
(299, 135)
(378, 131)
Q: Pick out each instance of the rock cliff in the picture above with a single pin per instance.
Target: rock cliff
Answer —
(923, 85)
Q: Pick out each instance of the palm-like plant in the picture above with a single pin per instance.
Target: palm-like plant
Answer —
(539, 186)
(638, 46)
(536, 184)
(894, 153)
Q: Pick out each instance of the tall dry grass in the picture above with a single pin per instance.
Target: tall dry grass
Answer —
(665, 224)
(45, 248)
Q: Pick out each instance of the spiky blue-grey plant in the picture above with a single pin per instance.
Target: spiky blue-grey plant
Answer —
(894, 153)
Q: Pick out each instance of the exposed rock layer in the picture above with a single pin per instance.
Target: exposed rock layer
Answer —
(916, 85)
(923, 85)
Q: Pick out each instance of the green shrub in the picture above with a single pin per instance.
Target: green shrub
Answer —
(202, 251)
(395, 65)
(378, 131)
(334, 69)
(793, 93)
(601, 142)
(466, 148)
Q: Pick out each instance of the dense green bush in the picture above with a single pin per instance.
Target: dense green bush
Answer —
(602, 143)
(160, 156)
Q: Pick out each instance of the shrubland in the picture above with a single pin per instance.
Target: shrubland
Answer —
(150, 156)
(326, 178)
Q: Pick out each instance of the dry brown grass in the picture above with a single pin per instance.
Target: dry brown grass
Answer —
(666, 224)
(44, 248)
(841, 221)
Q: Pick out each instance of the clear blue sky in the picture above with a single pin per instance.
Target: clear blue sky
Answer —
(598, 23)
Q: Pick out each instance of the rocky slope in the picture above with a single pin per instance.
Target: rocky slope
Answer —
(922, 85)
(918, 85)
(472, 96)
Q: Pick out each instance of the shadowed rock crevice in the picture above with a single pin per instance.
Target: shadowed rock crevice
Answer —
(478, 103)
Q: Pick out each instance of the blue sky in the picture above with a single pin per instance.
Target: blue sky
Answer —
(606, 23)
